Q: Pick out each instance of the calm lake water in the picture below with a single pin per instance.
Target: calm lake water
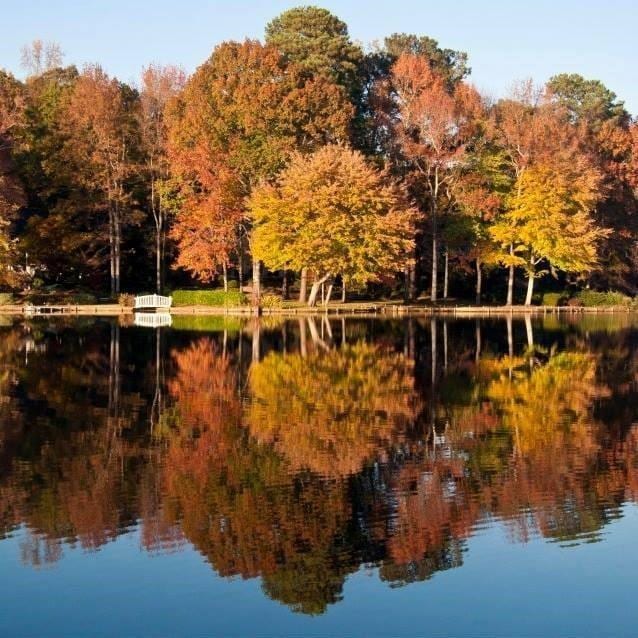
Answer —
(355, 477)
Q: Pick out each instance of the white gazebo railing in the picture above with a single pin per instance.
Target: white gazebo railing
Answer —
(153, 319)
(152, 302)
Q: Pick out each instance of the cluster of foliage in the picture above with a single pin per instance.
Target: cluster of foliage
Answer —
(314, 158)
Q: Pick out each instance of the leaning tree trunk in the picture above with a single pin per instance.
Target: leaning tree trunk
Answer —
(303, 285)
(314, 291)
(530, 288)
(328, 293)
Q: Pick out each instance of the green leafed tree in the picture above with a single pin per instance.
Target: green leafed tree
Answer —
(318, 42)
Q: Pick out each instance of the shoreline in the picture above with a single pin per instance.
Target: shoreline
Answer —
(359, 309)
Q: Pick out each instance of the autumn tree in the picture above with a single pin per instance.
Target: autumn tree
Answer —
(532, 130)
(101, 137)
(160, 85)
(551, 220)
(433, 128)
(240, 117)
(480, 193)
(604, 125)
(332, 213)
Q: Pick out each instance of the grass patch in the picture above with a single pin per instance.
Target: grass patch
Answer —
(208, 298)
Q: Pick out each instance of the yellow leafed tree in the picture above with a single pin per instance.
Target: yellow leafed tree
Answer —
(333, 214)
(550, 219)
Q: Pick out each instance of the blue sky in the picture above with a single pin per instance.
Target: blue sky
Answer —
(506, 40)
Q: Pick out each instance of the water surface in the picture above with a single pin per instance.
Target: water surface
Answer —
(306, 477)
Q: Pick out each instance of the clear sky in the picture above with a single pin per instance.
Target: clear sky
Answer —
(506, 40)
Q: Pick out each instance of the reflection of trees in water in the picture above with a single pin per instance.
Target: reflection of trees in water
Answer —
(296, 452)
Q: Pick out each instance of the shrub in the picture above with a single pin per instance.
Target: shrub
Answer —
(554, 299)
(6, 298)
(233, 284)
(593, 298)
(270, 301)
(126, 299)
(208, 298)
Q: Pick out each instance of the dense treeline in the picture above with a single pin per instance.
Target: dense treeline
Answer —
(320, 161)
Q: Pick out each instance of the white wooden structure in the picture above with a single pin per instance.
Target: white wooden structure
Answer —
(153, 319)
(153, 302)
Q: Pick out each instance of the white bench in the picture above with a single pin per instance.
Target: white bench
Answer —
(152, 302)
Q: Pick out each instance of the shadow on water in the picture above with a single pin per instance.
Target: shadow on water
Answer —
(300, 450)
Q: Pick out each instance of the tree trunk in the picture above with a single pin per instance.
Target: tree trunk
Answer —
(314, 291)
(158, 260)
(284, 284)
(435, 254)
(446, 275)
(329, 293)
(256, 282)
(343, 291)
(112, 250)
(479, 281)
(303, 285)
(510, 280)
(118, 245)
(530, 288)
(240, 264)
(225, 276)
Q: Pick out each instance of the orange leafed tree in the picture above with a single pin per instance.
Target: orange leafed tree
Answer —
(100, 131)
(433, 127)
